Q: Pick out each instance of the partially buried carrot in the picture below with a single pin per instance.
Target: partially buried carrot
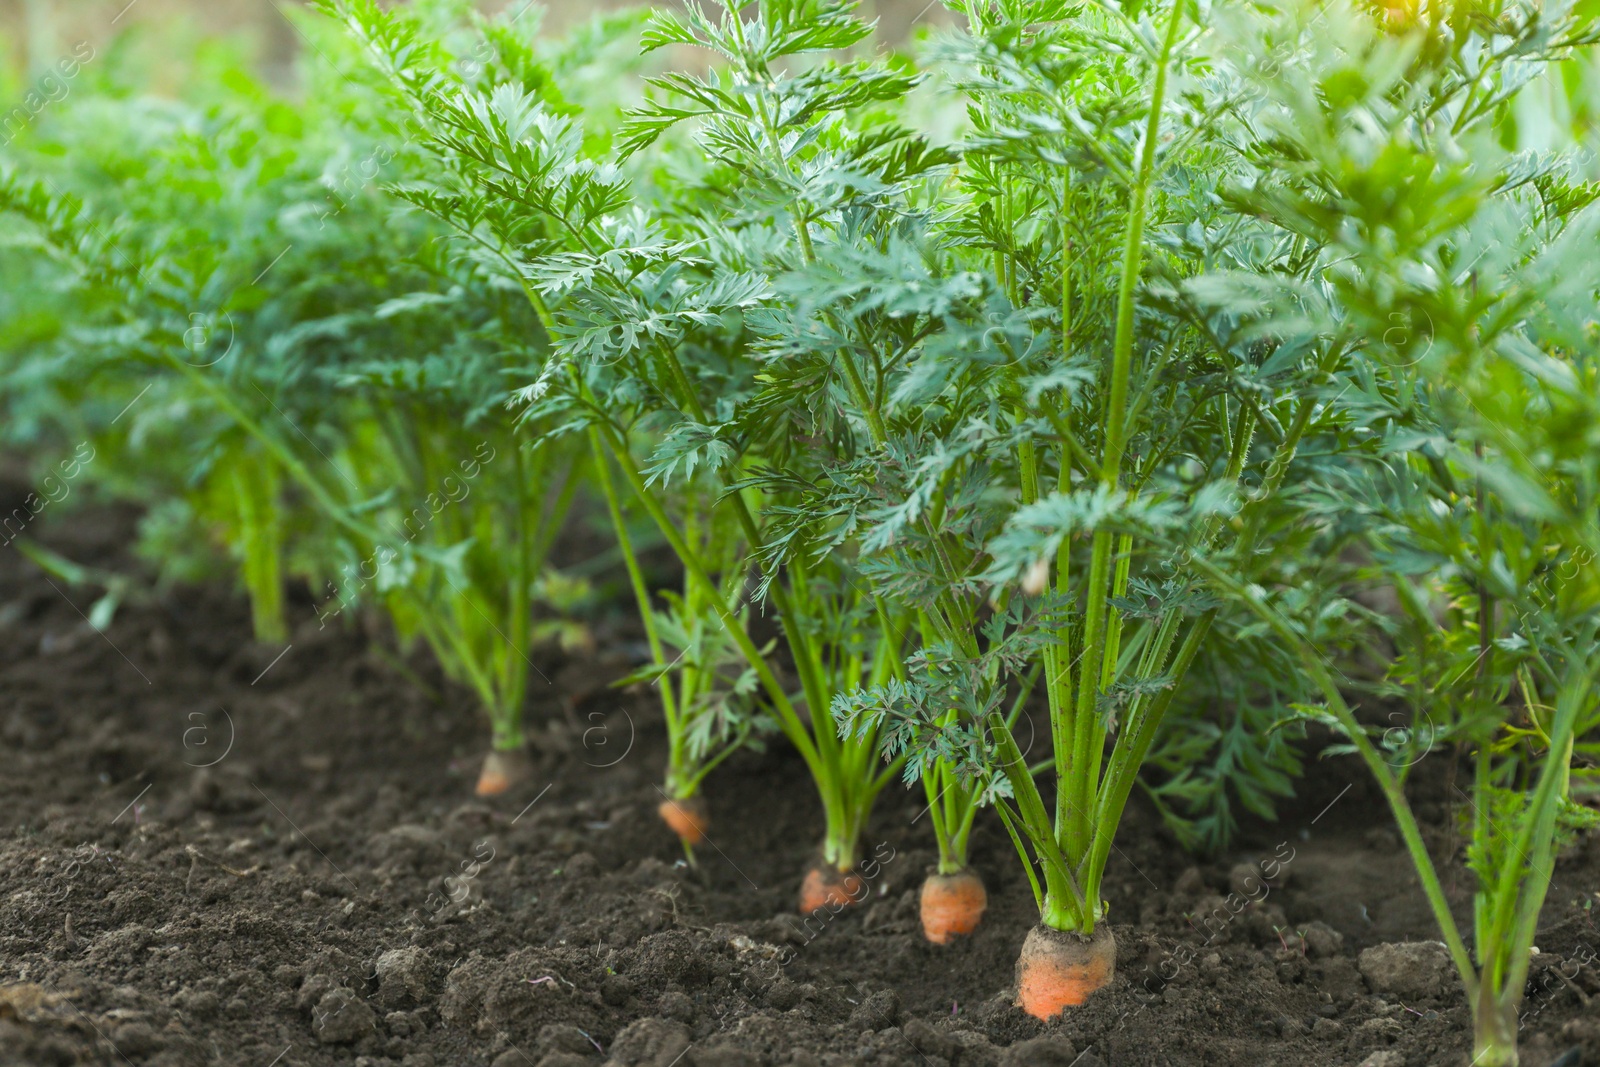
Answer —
(687, 817)
(502, 770)
(826, 886)
(1058, 969)
(952, 904)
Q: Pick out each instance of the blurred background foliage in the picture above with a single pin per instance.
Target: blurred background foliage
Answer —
(35, 33)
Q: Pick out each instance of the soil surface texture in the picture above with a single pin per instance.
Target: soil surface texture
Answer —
(217, 852)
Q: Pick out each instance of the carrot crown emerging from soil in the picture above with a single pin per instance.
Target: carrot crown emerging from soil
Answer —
(825, 887)
(952, 905)
(1059, 970)
(689, 818)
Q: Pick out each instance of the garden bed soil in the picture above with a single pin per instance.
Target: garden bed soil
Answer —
(219, 852)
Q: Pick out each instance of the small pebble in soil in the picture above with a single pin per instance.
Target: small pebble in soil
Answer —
(561, 1037)
(341, 1017)
(1190, 883)
(1246, 880)
(199, 1003)
(677, 1005)
(1321, 940)
(650, 1043)
(782, 995)
(135, 1039)
(878, 1012)
(1384, 1058)
(1411, 970)
(725, 1056)
(616, 990)
(927, 1041)
(562, 1059)
(1047, 1051)
(404, 973)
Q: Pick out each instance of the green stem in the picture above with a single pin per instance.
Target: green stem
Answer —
(641, 592)
(1128, 755)
(788, 719)
(1073, 808)
(1314, 663)
(1494, 1031)
(1528, 868)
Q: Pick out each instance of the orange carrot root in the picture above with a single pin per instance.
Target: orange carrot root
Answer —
(825, 886)
(952, 904)
(502, 770)
(1060, 970)
(687, 817)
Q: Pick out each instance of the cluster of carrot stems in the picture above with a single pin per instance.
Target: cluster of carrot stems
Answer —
(372, 510)
(477, 619)
(1065, 850)
(843, 765)
(1087, 657)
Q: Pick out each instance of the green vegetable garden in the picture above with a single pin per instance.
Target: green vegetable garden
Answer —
(1079, 410)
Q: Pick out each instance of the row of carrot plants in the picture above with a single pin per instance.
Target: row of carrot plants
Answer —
(1104, 354)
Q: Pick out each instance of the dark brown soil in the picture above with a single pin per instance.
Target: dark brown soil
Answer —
(329, 891)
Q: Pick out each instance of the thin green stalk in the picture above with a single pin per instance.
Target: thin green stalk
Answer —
(1313, 662)
(641, 593)
(1062, 894)
(1512, 912)
(1480, 899)
(1073, 796)
(520, 606)
(552, 518)
(1128, 755)
(291, 463)
(1009, 821)
(788, 718)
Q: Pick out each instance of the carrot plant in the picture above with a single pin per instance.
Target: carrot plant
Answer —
(1100, 399)
(523, 185)
(1084, 418)
(340, 393)
(706, 688)
(690, 341)
(1468, 272)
